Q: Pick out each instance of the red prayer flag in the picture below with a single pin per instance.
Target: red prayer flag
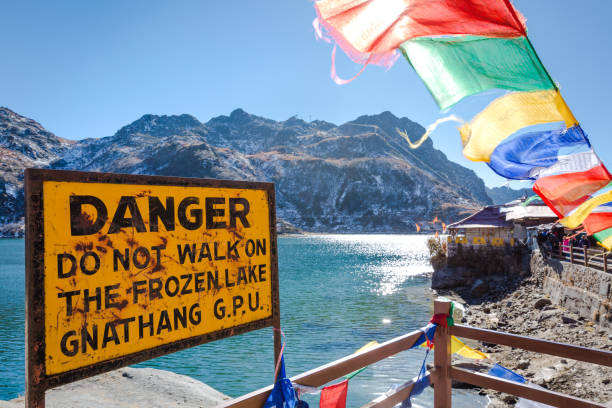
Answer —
(597, 221)
(564, 192)
(370, 30)
(334, 396)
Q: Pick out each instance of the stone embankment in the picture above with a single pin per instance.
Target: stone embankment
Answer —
(585, 291)
(130, 387)
(557, 302)
(478, 271)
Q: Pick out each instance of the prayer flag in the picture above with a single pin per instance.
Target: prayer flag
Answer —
(371, 30)
(455, 67)
(460, 348)
(334, 396)
(531, 199)
(566, 192)
(502, 372)
(583, 210)
(605, 238)
(516, 158)
(366, 346)
(598, 220)
(571, 163)
(508, 114)
(282, 395)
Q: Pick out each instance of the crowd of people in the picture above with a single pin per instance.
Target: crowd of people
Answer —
(549, 241)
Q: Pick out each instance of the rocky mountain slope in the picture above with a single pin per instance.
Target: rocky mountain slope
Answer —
(23, 143)
(358, 177)
(505, 194)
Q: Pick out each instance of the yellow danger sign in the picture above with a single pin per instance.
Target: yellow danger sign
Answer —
(147, 262)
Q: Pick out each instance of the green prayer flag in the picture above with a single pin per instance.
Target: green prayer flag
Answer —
(455, 67)
(530, 200)
(601, 236)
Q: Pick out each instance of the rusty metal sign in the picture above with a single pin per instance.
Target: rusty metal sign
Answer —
(124, 268)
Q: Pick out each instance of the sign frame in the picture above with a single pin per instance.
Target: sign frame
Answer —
(36, 379)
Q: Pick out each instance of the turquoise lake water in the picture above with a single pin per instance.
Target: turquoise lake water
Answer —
(337, 292)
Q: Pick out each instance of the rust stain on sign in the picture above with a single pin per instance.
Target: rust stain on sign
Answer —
(131, 267)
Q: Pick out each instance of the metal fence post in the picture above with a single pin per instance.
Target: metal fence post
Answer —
(442, 359)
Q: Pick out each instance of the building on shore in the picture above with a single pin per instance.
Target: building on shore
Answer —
(499, 225)
(485, 227)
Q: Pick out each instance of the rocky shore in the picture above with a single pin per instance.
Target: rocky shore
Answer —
(519, 306)
(130, 387)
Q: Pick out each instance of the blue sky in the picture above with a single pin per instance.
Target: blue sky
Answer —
(85, 69)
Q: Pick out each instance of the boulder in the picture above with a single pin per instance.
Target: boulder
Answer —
(130, 387)
(522, 365)
(548, 314)
(540, 303)
(567, 320)
(479, 288)
(450, 277)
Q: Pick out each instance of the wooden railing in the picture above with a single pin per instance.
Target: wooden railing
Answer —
(601, 357)
(322, 375)
(444, 372)
(590, 257)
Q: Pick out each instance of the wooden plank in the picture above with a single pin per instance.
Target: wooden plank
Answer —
(330, 371)
(336, 369)
(392, 398)
(442, 359)
(510, 387)
(589, 355)
(35, 382)
(596, 265)
(595, 252)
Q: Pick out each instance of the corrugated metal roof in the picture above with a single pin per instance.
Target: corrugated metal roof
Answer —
(519, 212)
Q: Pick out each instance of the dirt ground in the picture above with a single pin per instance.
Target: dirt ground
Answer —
(525, 310)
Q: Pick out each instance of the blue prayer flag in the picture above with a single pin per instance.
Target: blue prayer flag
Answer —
(516, 158)
(282, 395)
(503, 372)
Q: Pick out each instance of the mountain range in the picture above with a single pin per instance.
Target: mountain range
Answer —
(360, 176)
(504, 194)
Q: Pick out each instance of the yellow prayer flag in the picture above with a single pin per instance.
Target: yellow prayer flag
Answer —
(508, 114)
(367, 346)
(583, 210)
(458, 347)
(607, 243)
